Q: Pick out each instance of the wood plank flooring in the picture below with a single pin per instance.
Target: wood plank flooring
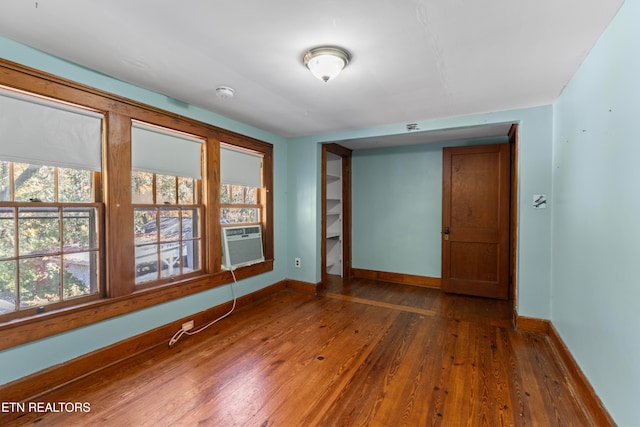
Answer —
(365, 353)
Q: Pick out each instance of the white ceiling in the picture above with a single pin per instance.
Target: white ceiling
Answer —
(413, 60)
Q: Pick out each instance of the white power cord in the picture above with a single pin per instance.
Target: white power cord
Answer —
(174, 339)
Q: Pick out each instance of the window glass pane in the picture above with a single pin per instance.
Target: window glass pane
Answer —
(74, 185)
(7, 286)
(251, 196)
(5, 183)
(224, 194)
(186, 191)
(142, 187)
(39, 280)
(145, 226)
(39, 230)
(191, 255)
(33, 182)
(170, 256)
(239, 215)
(80, 274)
(146, 263)
(237, 194)
(169, 224)
(7, 233)
(190, 223)
(165, 189)
(79, 229)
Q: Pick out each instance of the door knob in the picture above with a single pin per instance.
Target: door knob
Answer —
(446, 233)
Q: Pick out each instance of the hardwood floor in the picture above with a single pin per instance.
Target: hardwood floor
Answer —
(364, 353)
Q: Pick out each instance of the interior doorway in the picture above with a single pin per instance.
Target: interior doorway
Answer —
(479, 219)
(336, 211)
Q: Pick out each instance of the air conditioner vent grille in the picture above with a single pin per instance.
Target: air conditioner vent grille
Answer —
(241, 246)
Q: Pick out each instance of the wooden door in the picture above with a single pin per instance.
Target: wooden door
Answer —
(475, 220)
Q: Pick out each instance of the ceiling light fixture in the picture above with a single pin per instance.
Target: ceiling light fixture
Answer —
(326, 62)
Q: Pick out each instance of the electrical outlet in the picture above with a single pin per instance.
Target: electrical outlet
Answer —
(298, 263)
(187, 326)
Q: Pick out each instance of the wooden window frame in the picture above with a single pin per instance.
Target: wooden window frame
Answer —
(119, 293)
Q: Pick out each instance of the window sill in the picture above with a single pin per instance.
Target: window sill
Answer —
(24, 330)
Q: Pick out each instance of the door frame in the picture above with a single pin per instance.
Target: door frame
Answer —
(513, 214)
(345, 154)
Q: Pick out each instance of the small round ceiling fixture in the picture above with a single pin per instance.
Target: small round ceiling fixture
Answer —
(224, 92)
(326, 62)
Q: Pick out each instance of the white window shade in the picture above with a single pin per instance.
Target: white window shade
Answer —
(239, 167)
(165, 152)
(40, 131)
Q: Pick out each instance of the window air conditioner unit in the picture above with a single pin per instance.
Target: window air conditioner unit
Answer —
(241, 246)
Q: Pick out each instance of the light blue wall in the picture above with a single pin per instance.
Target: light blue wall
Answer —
(596, 220)
(47, 352)
(303, 206)
(534, 225)
(397, 207)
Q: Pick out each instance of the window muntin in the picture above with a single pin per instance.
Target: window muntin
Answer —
(167, 210)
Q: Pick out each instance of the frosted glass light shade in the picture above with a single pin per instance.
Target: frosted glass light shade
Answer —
(326, 62)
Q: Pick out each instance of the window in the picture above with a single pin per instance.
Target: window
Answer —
(49, 221)
(167, 207)
(241, 182)
(94, 219)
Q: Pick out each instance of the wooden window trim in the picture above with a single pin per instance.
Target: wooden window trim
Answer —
(120, 294)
